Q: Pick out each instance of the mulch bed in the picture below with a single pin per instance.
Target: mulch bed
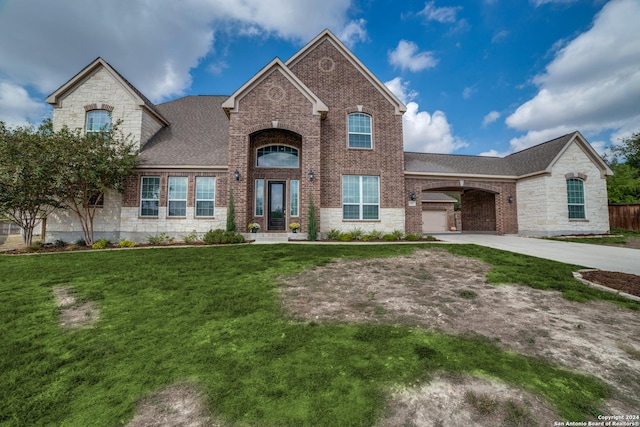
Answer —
(624, 282)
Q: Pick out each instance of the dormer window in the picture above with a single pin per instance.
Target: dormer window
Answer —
(98, 121)
(359, 130)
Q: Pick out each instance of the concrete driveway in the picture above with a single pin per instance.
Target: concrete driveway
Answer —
(592, 256)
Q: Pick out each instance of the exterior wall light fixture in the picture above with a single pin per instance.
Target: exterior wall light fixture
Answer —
(510, 198)
(311, 175)
(412, 196)
(236, 174)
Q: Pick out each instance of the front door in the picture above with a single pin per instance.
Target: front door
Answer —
(276, 205)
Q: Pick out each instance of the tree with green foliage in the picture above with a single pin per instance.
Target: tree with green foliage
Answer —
(312, 228)
(231, 214)
(624, 185)
(93, 163)
(29, 166)
(629, 150)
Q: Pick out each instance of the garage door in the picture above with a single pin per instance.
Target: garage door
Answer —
(434, 221)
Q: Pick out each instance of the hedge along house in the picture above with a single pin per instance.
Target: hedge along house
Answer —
(319, 127)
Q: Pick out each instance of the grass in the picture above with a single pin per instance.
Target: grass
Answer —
(509, 267)
(211, 315)
(618, 237)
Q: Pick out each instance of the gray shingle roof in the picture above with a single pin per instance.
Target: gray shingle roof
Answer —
(534, 159)
(429, 196)
(198, 134)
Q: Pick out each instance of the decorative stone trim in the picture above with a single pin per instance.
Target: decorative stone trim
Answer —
(326, 64)
(98, 106)
(579, 175)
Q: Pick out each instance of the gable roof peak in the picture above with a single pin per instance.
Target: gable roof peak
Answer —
(55, 97)
(344, 50)
(231, 103)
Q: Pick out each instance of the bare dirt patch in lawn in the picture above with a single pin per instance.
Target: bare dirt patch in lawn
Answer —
(464, 401)
(180, 405)
(447, 293)
(73, 313)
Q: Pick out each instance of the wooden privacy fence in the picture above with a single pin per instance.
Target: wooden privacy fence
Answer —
(626, 217)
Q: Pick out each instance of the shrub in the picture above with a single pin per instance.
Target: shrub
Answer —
(80, 242)
(357, 233)
(35, 246)
(399, 234)
(333, 234)
(59, 243)
(366, 238)
(160, 239)
(127, 244)
(219, 236)
(389, 237)
(191, 237)
(430, 239)
(345, 237)
(312, 226)
(100, 244)
(413, 237)
(375, 235)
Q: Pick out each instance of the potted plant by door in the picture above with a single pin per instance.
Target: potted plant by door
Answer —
(294, 226)
(253, 227)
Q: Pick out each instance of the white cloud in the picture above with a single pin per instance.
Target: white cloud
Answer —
(491, 117)
(499, 36)
(592, 84)
(406, 56)
(538, 3)
(353, 33)
(17, 108)
(468, 92)
(43, 43)
(430, 133)
(439, 14)
(401, 90)
(423, 132)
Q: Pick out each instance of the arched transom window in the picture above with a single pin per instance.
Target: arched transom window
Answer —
(277, 156)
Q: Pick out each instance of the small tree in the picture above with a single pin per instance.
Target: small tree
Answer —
(231, 214)
(29, 164)
(312, 228)
(93, 164)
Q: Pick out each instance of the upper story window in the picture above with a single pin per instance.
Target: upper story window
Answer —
(277, 156)
(575, 198)
(359, 130)
(98, 121)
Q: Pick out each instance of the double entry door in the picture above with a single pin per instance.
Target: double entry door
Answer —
(276, 205)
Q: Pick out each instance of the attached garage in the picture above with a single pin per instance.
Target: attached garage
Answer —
(437, 212)
(434, 221)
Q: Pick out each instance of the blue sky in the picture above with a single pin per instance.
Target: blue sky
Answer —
(478, 77)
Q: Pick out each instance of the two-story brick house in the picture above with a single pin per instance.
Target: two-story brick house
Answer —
(319, 127)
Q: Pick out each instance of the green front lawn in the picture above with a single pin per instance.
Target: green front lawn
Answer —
(211, 316)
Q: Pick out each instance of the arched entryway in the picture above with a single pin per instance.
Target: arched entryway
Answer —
(275, 172)
(485, 206)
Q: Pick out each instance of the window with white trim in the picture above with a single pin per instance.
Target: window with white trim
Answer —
(98, 121)
(259, 198)
(177, 198)
(205, 195)
(575, 199)
(149, 195)
(360, 197)
(294, 197)
(359, 130)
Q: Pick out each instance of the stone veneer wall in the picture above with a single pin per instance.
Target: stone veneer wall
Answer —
(543, 211)
(102, 88)
(390, 219)
(64, 224)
